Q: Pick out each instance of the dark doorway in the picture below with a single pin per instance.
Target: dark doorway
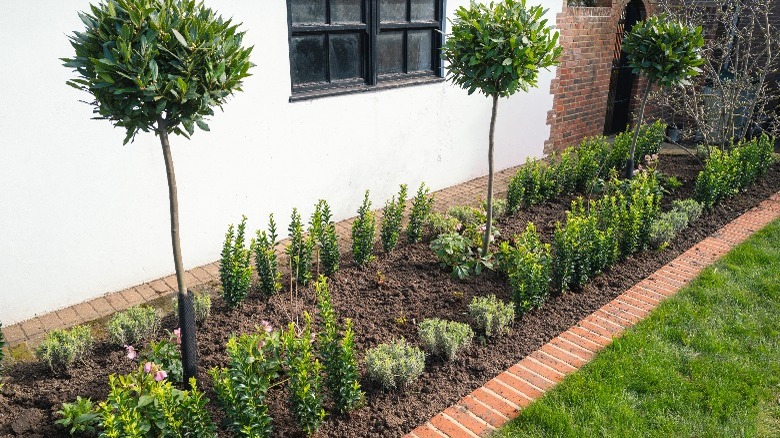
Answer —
(621, 79)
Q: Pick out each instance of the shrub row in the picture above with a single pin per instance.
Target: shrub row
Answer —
(577, 169)
(727, 173)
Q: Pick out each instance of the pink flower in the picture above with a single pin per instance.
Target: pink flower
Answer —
(160, 375)
(267, 326)
(148, 366)
(177, 333)
(131, 353)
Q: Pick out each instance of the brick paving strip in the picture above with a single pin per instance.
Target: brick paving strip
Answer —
(498, 401)
(33, 330)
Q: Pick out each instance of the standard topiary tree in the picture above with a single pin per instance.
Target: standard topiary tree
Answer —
(160, 66)
(667, 53)
(498, 49)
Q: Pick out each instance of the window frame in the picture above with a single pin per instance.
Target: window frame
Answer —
(369, 29)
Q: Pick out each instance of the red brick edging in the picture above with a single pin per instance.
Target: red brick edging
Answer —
(499, 400)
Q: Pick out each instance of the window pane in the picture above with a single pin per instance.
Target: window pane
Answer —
(308, 59)
(307, 11)
(423, 10)
(346, 11)
(419, 50)
(390, 49)
(345, 60)
(392, 10)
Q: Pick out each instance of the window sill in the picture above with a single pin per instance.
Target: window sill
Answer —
(362, 88)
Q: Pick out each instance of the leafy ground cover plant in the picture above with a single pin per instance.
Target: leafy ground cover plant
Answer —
(363, 232)
(454, 251)
(444, 338)
(727, 173)
(392, 215)
(133, 325)
(307, 392)
(422, 205)
(299, 250)
(166, 355)
(394, 364)
(142, 404)
(235, 266)
(61, 348)
(498, 49)
(327, 240)
(490, 316)
(130, 58)
(527, 264)
(338, 356)
(79, 417)
(441, 223)
(201, 303)
(243, 385)
(266, 261)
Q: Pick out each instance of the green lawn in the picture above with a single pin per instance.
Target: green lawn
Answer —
(705, 363)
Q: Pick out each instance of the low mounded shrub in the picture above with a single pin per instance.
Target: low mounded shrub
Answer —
(235, 267)
(499, 208)
(441, 223)
(527, 264)
(727, 173)
(490, 316)
(444, 338)
(201, 301)
(467, 216)
(133, 325)
(144, 403)
(690, 207)
(395, 364)
(666, 227)
(61, 348)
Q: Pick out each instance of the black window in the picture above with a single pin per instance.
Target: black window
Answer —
(345, 45)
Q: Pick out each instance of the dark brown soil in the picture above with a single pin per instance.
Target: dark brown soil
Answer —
(385, 300)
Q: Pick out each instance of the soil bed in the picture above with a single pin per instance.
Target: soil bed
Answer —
(385, 301)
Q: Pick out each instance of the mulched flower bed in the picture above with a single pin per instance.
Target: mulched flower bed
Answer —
(386, 300)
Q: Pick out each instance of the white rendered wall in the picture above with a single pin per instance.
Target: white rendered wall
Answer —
(81, 215)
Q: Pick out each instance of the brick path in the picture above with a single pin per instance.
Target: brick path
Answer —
(33, 330)
(501, 399)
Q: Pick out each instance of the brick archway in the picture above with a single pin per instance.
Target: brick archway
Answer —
(581, 87)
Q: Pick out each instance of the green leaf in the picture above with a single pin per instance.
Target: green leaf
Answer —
(179, 38)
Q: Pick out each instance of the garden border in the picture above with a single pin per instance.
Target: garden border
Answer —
(499, 400)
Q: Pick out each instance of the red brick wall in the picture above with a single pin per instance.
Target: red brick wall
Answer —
(581, 86)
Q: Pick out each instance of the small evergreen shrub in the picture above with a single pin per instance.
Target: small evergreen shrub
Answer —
(441, 223)
(444, 338)
(79, 417)
(728, 173)
(327, 240)
(201, 301)
(591, 156)
(167, 356)
(363, 232)
(392, 215)
(563, 171)
(264, 248)
(395, 364)
(533, 184)
(305, 372)
(490, 316)
(339, 358)
(527, 265)
(580, 251)
(242, 387)
(299, 250)
(651, 137)
(467, 216)
(142, 404)
(690, 207)
(235, 267)
(666, 227)
(422, 205)
(61, 348)
(133, 325)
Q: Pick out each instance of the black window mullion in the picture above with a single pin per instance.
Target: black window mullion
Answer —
(373, 22)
